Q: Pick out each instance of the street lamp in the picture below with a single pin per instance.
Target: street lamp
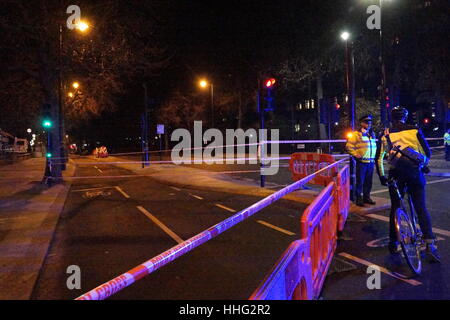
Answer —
(82, 27)
(204, 84)
(350, 99)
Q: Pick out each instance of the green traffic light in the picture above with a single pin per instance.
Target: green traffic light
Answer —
(47, 124)
(48, 155)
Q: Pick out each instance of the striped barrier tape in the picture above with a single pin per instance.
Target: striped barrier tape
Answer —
(124, 280)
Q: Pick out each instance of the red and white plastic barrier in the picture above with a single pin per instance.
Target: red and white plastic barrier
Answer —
(304, 164)
(301, 271)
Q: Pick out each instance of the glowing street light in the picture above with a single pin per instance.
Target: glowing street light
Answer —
(75, 85)
(204, 84)
(82, 26)
(345, 35)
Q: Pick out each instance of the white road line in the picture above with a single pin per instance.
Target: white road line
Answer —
(438, 181)
(122, 192)
(90, 189)
(98, 169)
(175, 188)
(382, 269)
(160, 224)
(224, 208)
(289, 233)
(386, 219)
(380, 191)
(428, 182)
(197, 197)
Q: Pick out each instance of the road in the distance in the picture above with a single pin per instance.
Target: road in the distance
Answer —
(111, 225)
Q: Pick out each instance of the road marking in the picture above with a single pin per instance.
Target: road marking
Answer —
(90, 189)
(289, 233)
(386, 219)
(160, 224)
(380, 191)
(175, 188)
(428, 182)
(224, 208)
(437, 181)
(382, 269)
(197, 197)
(98, 169)
(122, 192)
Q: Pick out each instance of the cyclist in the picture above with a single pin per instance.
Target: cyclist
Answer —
(407, 175)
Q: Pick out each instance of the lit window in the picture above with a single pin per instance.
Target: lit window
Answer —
(312, 103)
(297, 127)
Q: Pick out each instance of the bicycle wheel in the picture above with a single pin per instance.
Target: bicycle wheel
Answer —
(408, 242)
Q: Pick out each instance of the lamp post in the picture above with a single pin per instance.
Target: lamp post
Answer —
(204, 84)
(350, 99)
(82, 27)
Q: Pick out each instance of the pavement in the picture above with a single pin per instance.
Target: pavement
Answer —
(29, 212)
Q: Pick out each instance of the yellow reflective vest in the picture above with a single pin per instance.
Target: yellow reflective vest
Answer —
(362, 145)
(447, 139)
(403, 136)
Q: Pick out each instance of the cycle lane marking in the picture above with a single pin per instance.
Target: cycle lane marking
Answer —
(172, 234)
(382, 269)
(386, 219)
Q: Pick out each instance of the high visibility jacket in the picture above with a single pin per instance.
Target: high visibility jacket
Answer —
(402, 135)
(362, 145)
(447, 139)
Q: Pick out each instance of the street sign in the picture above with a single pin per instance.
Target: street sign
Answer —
(160, 129)
(301, 146)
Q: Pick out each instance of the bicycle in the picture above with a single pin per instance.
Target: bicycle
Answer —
(408, 231)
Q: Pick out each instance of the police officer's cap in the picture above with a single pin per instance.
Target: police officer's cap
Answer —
(366, 118)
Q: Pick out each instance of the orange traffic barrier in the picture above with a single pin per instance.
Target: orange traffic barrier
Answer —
(301, 271)
(304, 164)
(291, 278)
(343, 194)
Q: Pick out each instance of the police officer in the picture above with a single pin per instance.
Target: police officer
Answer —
(447, 145)
(410, 177)
(361, 145)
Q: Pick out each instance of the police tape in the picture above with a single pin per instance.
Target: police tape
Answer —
(126, 279)
(268, 142)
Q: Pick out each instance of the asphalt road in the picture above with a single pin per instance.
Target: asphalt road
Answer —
(103, 231)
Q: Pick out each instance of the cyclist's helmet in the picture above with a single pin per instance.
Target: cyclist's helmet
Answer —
(399, 114)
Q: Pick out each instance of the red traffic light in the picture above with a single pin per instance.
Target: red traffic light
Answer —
(426, 121)
(269, 83)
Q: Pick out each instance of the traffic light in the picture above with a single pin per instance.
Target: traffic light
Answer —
(426, 121)
(335, 113)
(269, 85)
(47, 119)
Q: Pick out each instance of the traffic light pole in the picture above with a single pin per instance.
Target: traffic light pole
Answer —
(144, 123)
(261, 145)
